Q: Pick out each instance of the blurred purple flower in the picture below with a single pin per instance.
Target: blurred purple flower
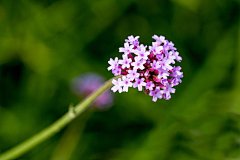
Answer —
(85, 84)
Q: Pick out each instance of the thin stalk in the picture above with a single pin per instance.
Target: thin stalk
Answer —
(71, 137)
(56, 126)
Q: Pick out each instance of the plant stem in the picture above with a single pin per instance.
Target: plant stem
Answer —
(57, 125)
(71, 138)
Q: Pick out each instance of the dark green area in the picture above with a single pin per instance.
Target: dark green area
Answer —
(44, 44)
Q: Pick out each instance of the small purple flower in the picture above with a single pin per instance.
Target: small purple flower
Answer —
(150, 85)
(176, 71)
(155, 64)
(132, 40)
(177, 75)
(164, 82)
(138, 64)
(142, 54)
(171, 58)
(127, 49)
(117, 71)
(178, 58)
(148, 70)
(159, 57)
(126, 82)
(155, 48)
(113, 63)
(176, 81)
(133, 74)
(157, 93)
(168, 90)
(139, 83)
(171, 46)
(160, 39)
(165, 64)
(117, 85)
(163, 74)
(141, 46)
(125, 62)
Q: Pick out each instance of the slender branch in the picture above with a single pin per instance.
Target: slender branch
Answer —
(56, 126)
(71, 137)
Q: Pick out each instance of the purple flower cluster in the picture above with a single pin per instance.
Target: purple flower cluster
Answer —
(86, 84)
(150, 70)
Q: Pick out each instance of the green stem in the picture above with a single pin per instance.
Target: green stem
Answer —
(56, 126)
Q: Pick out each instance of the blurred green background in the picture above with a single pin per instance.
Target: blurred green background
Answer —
(46, 43)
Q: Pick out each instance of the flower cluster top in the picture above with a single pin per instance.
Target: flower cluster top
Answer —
(150, 70)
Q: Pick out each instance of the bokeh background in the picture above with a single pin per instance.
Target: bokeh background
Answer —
(44, 44)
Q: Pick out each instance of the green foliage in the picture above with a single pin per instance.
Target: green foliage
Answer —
(44, 44)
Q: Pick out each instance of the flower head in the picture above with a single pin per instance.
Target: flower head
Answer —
(150, 71)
